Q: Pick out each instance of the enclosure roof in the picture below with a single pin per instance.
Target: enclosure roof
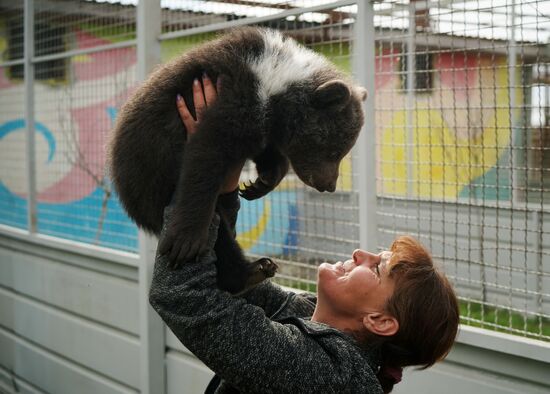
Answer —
(485, 19)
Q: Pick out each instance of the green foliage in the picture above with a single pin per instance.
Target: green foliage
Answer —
(112, 33)
(503, 320)
(474, 314)
(337, 52)
(177, 46)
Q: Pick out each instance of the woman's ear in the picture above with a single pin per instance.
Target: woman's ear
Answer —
(381, 323)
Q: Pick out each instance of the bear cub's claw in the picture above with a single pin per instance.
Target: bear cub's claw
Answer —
(255, 190)
(261, 269)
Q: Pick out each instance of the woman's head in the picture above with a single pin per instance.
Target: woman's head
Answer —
(354, 293)
(397, 298)
(424, 304)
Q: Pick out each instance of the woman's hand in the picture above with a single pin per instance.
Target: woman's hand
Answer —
(204, 95)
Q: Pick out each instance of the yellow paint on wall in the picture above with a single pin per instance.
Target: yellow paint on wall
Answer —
(248, 238)
(442, 163)
(345, 178)
(82, 58)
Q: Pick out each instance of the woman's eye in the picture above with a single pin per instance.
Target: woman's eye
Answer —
(377, 270)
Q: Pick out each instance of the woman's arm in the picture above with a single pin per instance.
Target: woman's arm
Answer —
(235, 338)
(239, 342)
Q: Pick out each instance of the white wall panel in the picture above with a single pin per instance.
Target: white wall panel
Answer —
(173, 342)
(94, 295)
(186, 374)
(10, 383)
(102, 349)
(450, 378)
(50, 372)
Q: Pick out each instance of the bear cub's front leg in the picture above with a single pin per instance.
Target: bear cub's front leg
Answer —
(204, 169)
(272, 167)
(183, 240)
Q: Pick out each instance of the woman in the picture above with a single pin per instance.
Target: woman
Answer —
(373, 315)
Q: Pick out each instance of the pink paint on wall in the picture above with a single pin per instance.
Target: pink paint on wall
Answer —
(100, 64)
(386, 66)
(458, 70)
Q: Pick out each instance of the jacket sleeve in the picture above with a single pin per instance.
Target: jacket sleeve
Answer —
(235, 338)
(275, 301)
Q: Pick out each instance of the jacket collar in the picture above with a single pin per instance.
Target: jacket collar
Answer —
(371, 353)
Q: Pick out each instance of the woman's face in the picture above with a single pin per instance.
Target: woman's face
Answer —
(357, 286)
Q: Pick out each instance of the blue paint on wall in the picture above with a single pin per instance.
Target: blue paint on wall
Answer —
(77, 220)
(20, 124)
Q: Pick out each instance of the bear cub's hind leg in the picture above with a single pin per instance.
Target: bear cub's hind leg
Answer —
(235, 273)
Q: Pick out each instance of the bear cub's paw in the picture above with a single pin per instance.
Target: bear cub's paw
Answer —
(260, 270)
(181, 243)
(256, 189)
(269, 177)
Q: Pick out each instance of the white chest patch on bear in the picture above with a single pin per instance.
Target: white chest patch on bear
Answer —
(282, 63)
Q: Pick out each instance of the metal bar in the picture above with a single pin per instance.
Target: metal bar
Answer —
(152, 341)
(29, 114)
(256, 20)
(12, 63)
(411, 48)
(85, 51)
(365, 148)
(67, 245)
(440, 43)
(538, 249)
(512, 60)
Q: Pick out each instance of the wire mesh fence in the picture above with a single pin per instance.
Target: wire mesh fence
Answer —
(83, 73)
(294, 223)
(462, 136)
(14, 184)
(75, 197)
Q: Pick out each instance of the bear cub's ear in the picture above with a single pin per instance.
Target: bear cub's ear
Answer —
(332, 93)
(363, 94)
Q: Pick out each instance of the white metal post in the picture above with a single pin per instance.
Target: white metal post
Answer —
(152, 339)
(29, 113)
(512, 62)
(365, 148)
(411, 82)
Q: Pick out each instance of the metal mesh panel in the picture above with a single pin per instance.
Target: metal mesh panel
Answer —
(13, 169)
(462, 149)
(77, 92)
(296, 224)
(462, 136)
(75, 198)
(64, 25)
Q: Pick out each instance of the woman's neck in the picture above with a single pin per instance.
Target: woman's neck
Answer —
(342, 322)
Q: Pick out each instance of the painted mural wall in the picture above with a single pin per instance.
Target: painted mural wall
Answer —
(75, 199)
(460, 132)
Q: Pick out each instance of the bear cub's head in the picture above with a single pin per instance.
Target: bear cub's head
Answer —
(324, 124)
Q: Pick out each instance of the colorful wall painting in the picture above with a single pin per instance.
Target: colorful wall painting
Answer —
(75, 200)
(460, 147)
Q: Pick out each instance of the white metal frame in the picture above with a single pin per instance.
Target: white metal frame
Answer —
(148, 47)
(151, 330)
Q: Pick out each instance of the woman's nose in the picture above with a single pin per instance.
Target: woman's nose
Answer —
(362, 256)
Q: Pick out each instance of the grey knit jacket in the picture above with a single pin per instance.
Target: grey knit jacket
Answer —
(262, 342)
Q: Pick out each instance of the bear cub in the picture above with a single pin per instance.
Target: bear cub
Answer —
(280, 104)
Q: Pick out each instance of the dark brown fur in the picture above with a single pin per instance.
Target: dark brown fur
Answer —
(152, 163)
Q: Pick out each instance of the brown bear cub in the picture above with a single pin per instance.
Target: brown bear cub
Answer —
(279, 103)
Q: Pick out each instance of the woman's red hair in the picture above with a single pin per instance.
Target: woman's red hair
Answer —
(425, 305)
